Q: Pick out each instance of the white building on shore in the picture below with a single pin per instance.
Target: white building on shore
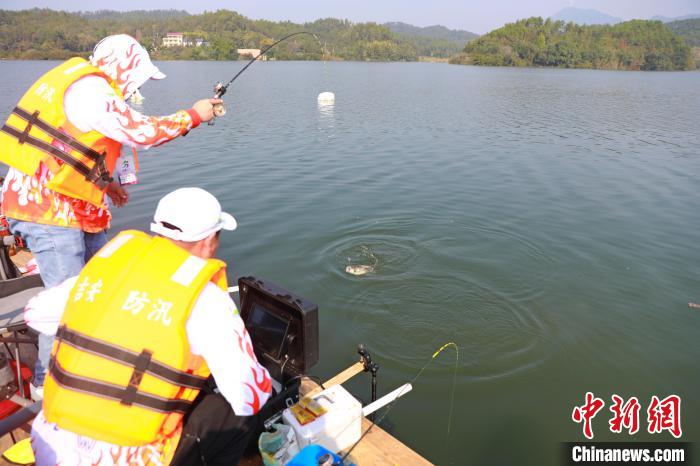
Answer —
(178, 39)
(250, 53)
(174, 39)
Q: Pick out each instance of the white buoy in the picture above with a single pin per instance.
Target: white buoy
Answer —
(326, 98)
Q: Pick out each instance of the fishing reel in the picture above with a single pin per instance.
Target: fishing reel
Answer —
(219, 109)
(219, 91)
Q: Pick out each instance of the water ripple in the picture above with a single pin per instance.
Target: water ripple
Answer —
(426, 291)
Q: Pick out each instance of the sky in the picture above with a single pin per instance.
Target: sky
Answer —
(472, 15)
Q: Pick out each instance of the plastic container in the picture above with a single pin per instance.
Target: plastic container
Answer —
(310, 455)
(279, 446)
(336, 430)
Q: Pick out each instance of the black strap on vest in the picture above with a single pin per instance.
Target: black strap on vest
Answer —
(140, 366)
(98, 174)
(33, 119)
(49, 149)
(129, 358)
(30, 122)
(115, 392)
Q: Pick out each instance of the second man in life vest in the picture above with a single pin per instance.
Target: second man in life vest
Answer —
(141, 328)
(63, 142)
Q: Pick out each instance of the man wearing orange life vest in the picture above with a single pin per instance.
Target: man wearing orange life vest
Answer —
(141, 328)
(62, 142)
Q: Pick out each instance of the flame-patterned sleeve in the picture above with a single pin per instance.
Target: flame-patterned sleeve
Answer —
(216, 332)
(91, 104)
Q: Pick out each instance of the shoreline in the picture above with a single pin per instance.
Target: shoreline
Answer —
(434, 60)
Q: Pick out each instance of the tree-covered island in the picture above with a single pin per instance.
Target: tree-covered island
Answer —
(632, 45)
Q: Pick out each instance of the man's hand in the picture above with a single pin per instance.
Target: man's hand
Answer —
(117, 194)
(205, 108)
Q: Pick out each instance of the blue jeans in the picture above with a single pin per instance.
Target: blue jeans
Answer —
(60, 253)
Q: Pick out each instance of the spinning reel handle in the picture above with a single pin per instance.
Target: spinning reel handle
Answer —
(219, 109)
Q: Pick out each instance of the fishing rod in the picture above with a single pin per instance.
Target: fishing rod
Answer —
(220, 88)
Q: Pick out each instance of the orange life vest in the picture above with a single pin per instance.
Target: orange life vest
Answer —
(121, 370)
(27, 138)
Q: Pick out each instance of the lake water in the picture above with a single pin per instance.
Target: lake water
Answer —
(546, 221)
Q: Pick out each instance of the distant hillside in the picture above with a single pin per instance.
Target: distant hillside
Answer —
(632, 45)
(48, 34)
(688, 29)
(584, 16)
(133, 15)
(431, 32)
(666, 19)
(432, 41)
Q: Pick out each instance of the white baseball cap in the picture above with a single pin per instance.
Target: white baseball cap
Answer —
(190, 214)
(124, 60)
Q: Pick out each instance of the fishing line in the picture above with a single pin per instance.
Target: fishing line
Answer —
(220, 88)
(325, 64)
(420, 372)
(263, 52)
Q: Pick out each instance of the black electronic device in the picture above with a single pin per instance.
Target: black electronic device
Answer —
(282, 326)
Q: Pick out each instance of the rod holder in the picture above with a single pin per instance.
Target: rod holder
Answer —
(369, 366)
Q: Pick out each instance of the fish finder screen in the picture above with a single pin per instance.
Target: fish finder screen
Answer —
(267, 330)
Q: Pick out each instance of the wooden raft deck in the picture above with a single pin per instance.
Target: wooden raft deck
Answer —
(21, 258)
(381, 448)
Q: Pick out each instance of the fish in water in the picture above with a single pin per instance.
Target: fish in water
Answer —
(359, 269)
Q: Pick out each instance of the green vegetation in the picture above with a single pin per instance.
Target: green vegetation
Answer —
(688, 29)
(632, 45)
(432, 41)
(47, 34)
